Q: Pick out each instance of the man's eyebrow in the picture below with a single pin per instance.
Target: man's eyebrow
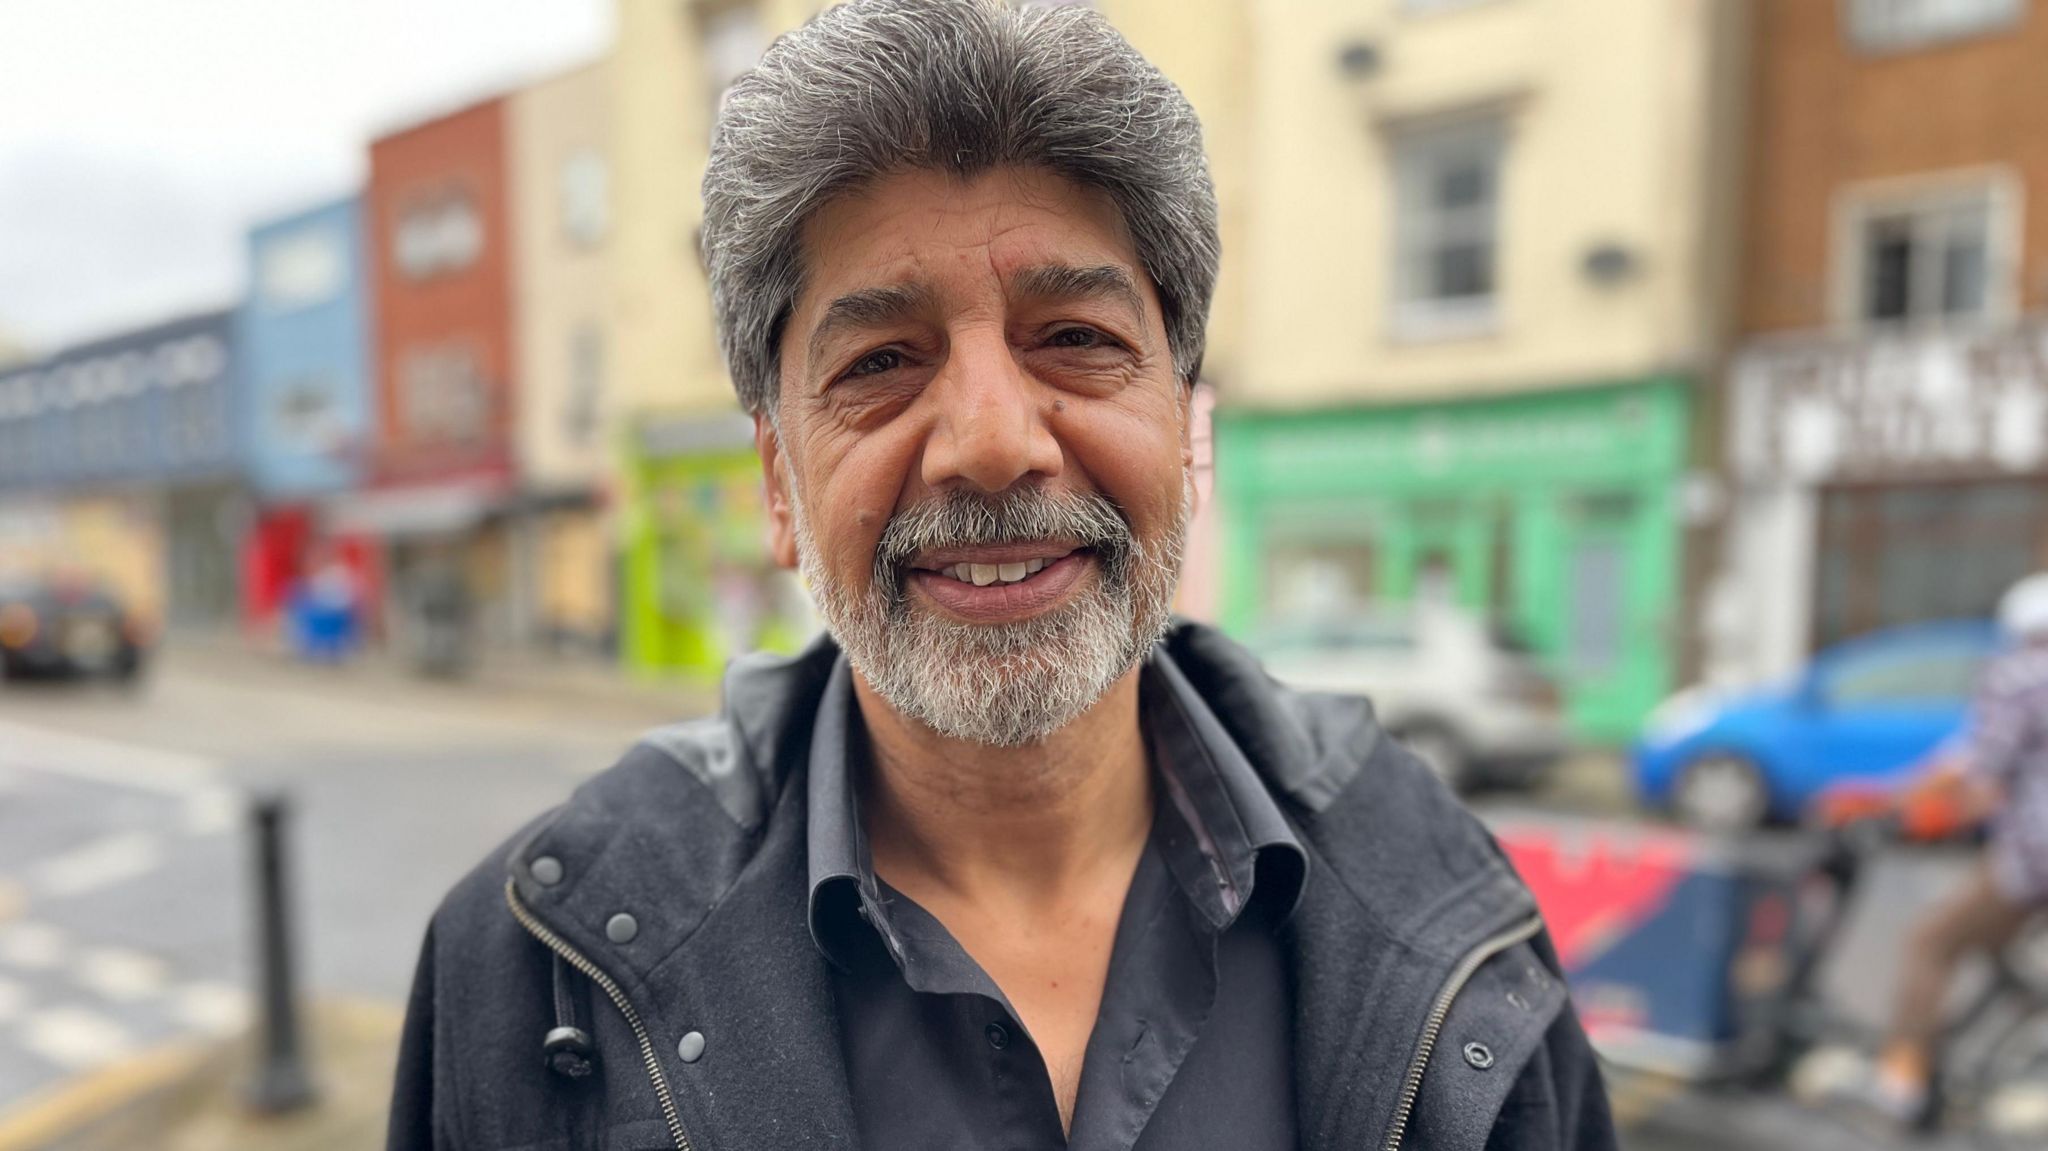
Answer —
(1067, 282)
(868, 308)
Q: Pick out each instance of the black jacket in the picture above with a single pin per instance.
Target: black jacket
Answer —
(661, 913)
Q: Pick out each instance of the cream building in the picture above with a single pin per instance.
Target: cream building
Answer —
(1486, 260)
(563, 226)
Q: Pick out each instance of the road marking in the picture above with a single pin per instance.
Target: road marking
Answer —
(213, 811)
(211, 1008)
(120, 975)
(144, 768)
(98, 864)
(31, 946)
(75, 1038)
(13, 997)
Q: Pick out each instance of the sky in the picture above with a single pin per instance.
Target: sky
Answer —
(140, 138)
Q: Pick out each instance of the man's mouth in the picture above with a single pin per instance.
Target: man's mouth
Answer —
(1006, 581)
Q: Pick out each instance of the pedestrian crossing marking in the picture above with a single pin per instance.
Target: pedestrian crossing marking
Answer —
(31, 946)
(98, 864)
(75, 1038)
(120, 975)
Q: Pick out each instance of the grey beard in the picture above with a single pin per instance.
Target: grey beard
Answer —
(1002, 685)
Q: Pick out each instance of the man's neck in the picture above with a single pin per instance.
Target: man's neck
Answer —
(1030, 827)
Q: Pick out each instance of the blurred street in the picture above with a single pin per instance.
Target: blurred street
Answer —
(124, 921)
(124, 907)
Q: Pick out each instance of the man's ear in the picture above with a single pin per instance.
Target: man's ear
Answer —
(775, 488)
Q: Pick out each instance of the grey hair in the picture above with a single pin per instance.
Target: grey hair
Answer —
(962, 86)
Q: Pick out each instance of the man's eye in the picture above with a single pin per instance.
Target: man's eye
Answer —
(1078, 338)
(875, 363)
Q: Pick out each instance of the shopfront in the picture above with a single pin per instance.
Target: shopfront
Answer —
(700, 588)
(1881, 481)
(1554, 514)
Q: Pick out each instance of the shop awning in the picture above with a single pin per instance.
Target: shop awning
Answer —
(447, 508)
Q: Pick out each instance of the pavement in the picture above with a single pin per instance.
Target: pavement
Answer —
(125, 929)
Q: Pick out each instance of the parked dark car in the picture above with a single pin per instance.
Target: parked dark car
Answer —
(68, 628)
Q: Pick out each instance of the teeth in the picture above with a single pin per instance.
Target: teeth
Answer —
(982, 575)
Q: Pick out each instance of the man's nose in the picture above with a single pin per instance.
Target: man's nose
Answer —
(990, 430)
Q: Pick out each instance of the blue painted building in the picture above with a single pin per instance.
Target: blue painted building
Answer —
(305, 333)
(307, 414)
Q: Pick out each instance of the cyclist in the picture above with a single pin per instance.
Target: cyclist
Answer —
(2001, 766)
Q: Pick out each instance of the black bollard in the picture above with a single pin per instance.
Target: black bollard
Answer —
(282, 1082)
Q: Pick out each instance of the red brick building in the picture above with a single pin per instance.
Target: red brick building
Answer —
(1888, 402)
(441, 464)
(440, 255)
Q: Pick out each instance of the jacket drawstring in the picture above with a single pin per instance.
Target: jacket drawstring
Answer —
(567, 1049)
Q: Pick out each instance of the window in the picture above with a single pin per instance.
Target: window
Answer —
(305, 417)
(1925, 258)
(300, 269)
(1446, 226)
(442, 396)
(1945, 673)
(438, 235)
(1900, 554)
(1892, 25)
(581, 413)
(586, 197)
(733, 40)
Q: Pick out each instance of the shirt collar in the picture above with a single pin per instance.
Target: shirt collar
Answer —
(1221, 832)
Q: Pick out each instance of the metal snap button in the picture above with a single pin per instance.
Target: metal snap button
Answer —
(1479, 1055)
(998, 1036)
(621, 928)
(546, 871)
(691, 1048)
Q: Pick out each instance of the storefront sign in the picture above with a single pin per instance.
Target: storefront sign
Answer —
(1895, 407)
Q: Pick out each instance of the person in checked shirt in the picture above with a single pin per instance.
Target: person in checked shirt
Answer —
(2002, 767)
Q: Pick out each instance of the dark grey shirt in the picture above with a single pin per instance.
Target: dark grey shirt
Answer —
(1192, 1045)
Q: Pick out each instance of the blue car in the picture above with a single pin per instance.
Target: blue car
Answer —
(1866, 709)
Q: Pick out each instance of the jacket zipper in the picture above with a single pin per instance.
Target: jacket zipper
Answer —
(1411, 1085)
(575, 959)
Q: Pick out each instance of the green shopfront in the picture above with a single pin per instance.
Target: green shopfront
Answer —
(1555, 513)
(698, 585)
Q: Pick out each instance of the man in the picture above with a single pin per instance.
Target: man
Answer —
(2002, 767)
(1012, 861)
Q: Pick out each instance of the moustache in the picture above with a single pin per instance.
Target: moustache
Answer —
(959, 518)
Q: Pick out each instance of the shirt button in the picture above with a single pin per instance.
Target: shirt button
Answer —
(998, 1036)
(621, 928)
(546, 871)
(691, 1048)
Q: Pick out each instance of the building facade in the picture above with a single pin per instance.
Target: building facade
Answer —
(441, 469)
(1484, 266)
(566, 433)
(121, 459)
(1889, 405)
(307, 415)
